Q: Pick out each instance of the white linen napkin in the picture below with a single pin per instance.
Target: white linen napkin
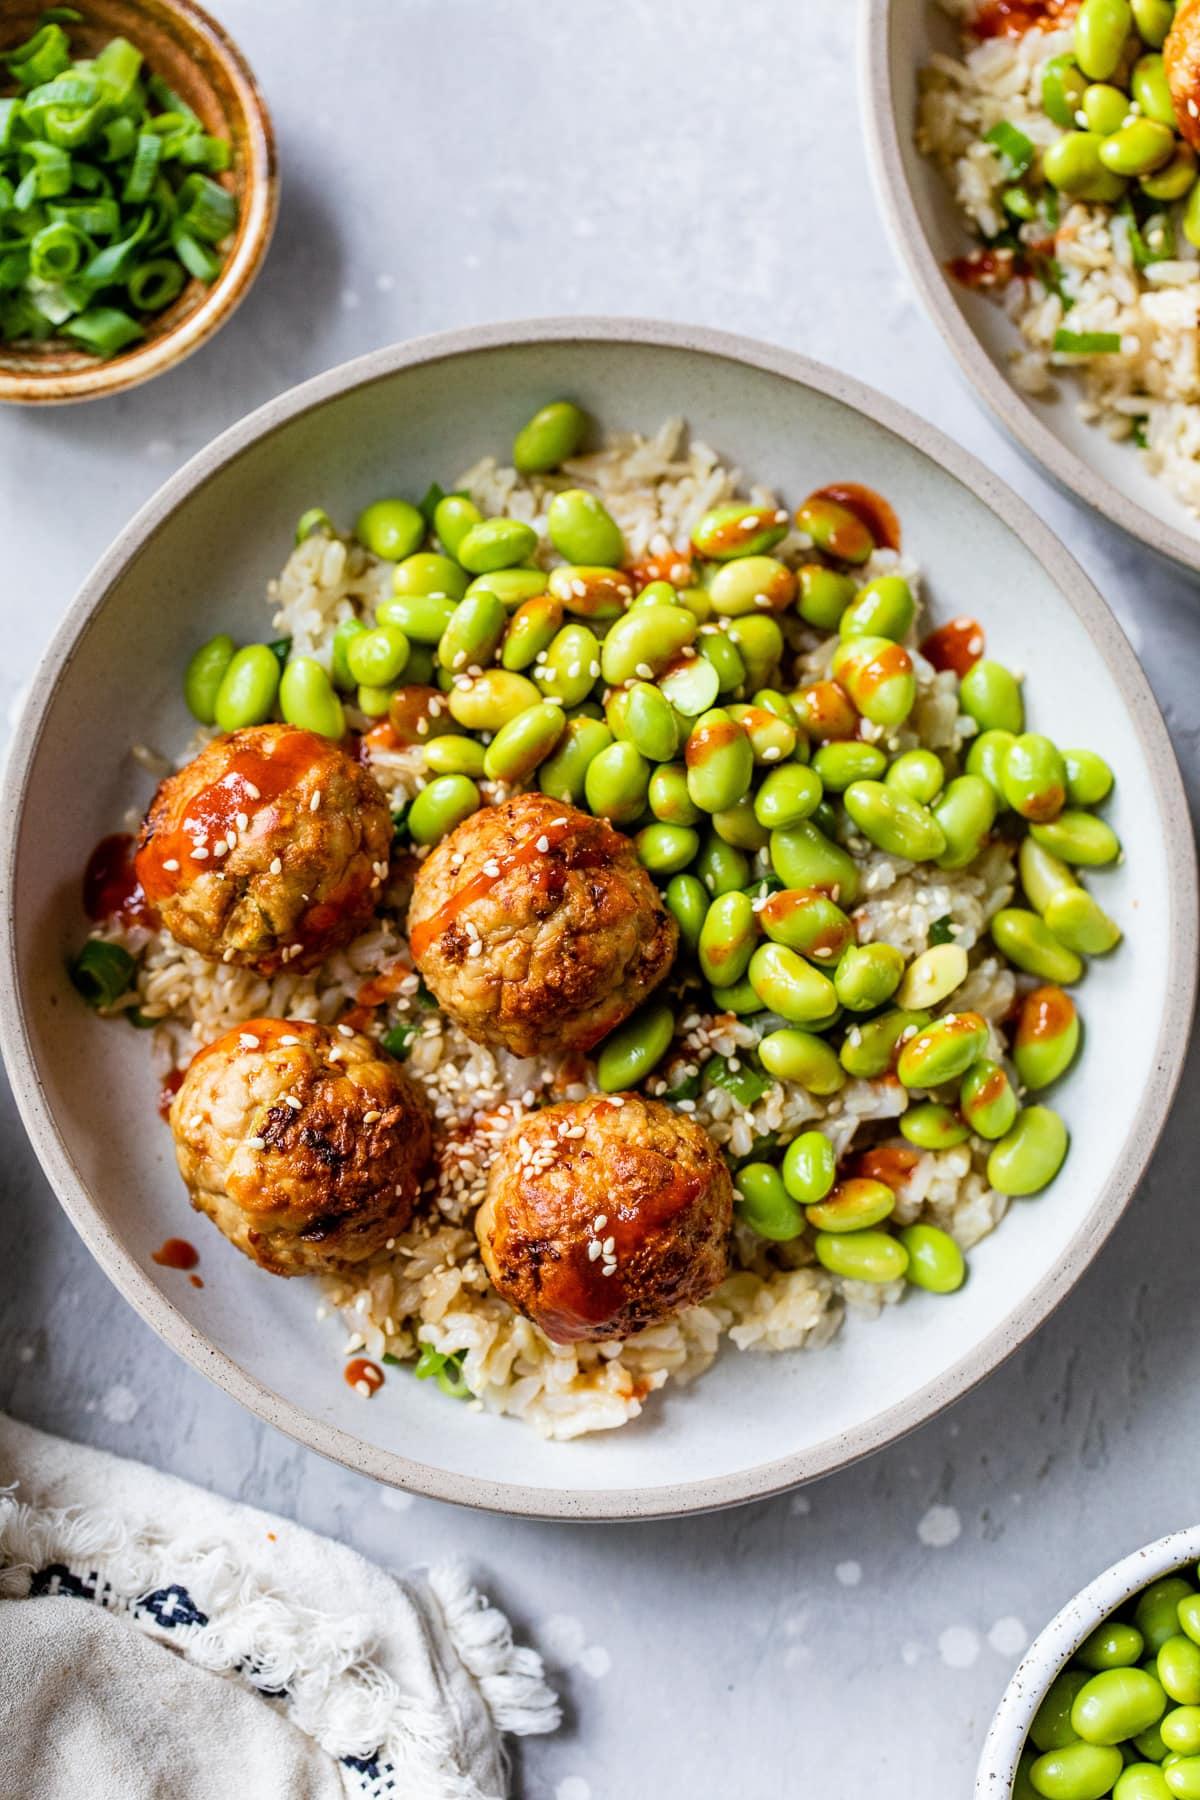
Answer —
(158, 1642)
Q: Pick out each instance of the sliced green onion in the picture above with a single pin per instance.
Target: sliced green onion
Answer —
(1013, 145)
(10, 118)
(154, 284)
(942, 930)
(14, 269)
(143, 172)
(746, 1083)
(315, 519)
(206, 209)
(117, 67)
(41, 57)
(102, 972)
(280, 650)
(428, 506)
(56, 251)
(399, 1040)
(104, 330)
(120, 136)
(196, 259)
(1018, 203)
(1139, 432)
(99, 217)
(168, 99)
(445, 1369)
(1087, 343)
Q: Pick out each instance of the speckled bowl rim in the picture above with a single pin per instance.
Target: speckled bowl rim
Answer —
(1061, 1638)
(762, 1479)
(884, 134)
(260, 199)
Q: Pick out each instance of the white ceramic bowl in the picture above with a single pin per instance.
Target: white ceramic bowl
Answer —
(1058, 1643)
(195, 561)
(927, 229)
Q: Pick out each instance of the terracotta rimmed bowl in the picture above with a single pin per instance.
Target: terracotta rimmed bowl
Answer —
(196, 560)
(197, 58)
(927, 230)
(1055, 1646)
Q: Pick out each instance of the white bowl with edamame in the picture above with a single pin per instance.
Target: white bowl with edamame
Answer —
(195, 562)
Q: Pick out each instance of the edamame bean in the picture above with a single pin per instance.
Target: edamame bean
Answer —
(525, 742)
(1112, 1645)
(727, 939)
(687, 902)
(427, 573)
(455, 756)
(786, 796)
(391, 529)
(991, 695)
(868, 975)
(1138, 148)
(878, 676)
(669, 798)
(440, 807)
(986, 758)
(803, 857)
(570, 667)
(719, 649)
(720, 761)
(1073, 165)
(788, 985)
(496, 544)
(1181, 1731)
(824, 595)
(1101, 28)
(869, 1049)
(801, 1056)
(656, 593)
(1188, 1614)
(634, 1048)
(248, 688)
(1034, 778)
(752, 584)
(1076, 1772)
(453, 517)
(986, 1099)
(935, 1261)
(722, 867)
(1178, 1666)
(834, 529)
(1191, 218)
(1116, 1704)
(1089, 778)
(666, 849)
(644, 642)
(549, 439)
(616, 782)
(1141, 1781)
(1030, 945)
(1183, 1778)
(591, 592)
(690, 685)
(1153, 19)
(512, 586)
(883, 608)
(473, 635)
(898, 825)
(765, 1205)
(740, 999)
(1080, 922)
(854, 1205)
(1027, 1158)
(339, 668)
(772, 738)
(583, 530)
(872, 1256)
(564, 774)
(1078, 838)
(771, 700)
(1063, 86)
(1174, 179)
(307, 699)
(1042, 875)
(932, 975)
(373, 701)
(738, 529)
(1149, 87)
(204, 674)
(826, 712)
(942, 1050)
(965, 814)
(1157, 1613)
(759, 642)
(931, 1126)
(807, 920)
(1105, 107)
(809, 1165)
(423, 618)
(1051, 1728)
(918, 774)
(530, 631)
(649, 723)
(738, 826)
(838, 764)
(377, 658)
(488, 701)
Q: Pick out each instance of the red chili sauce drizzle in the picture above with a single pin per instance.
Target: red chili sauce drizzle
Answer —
(1046, 1013)
(255, 776)
(1013, 18)
(889, 1163)
(675, 567)
(176, 1253)
(367, 1372)
(597, 848)
(171, 1084)
(111, 888)
(957, 645)
(868, 507)
(871, 675)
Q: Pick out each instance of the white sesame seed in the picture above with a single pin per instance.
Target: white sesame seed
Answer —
(363, 1388)
(256, 1143)
(247, 1040)
(543, 843)
(243, 821)
(772, 753)
(291, 1100)
(609, 1245)
(171, 863)
(436, 706)
(370, 1118)
(277, 866)
(220, 847)
(315, 802)
(391, 1244)
(199, 853)
(600, 1221)
(345, 1031)
(644, 671)
(593, 1251)
(254, 795)
(609, 1269)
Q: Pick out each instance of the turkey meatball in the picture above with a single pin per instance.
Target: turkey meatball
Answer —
(537, 928)
(605, 1216)
(270, 848)
(304, 1146)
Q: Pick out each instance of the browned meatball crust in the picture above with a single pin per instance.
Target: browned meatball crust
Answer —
(537, 928)
(270, 848)
(605, 1216)
(304, 1146)
(1181, 61)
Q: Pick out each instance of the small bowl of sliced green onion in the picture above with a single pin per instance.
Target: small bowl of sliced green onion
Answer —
(138, 192)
